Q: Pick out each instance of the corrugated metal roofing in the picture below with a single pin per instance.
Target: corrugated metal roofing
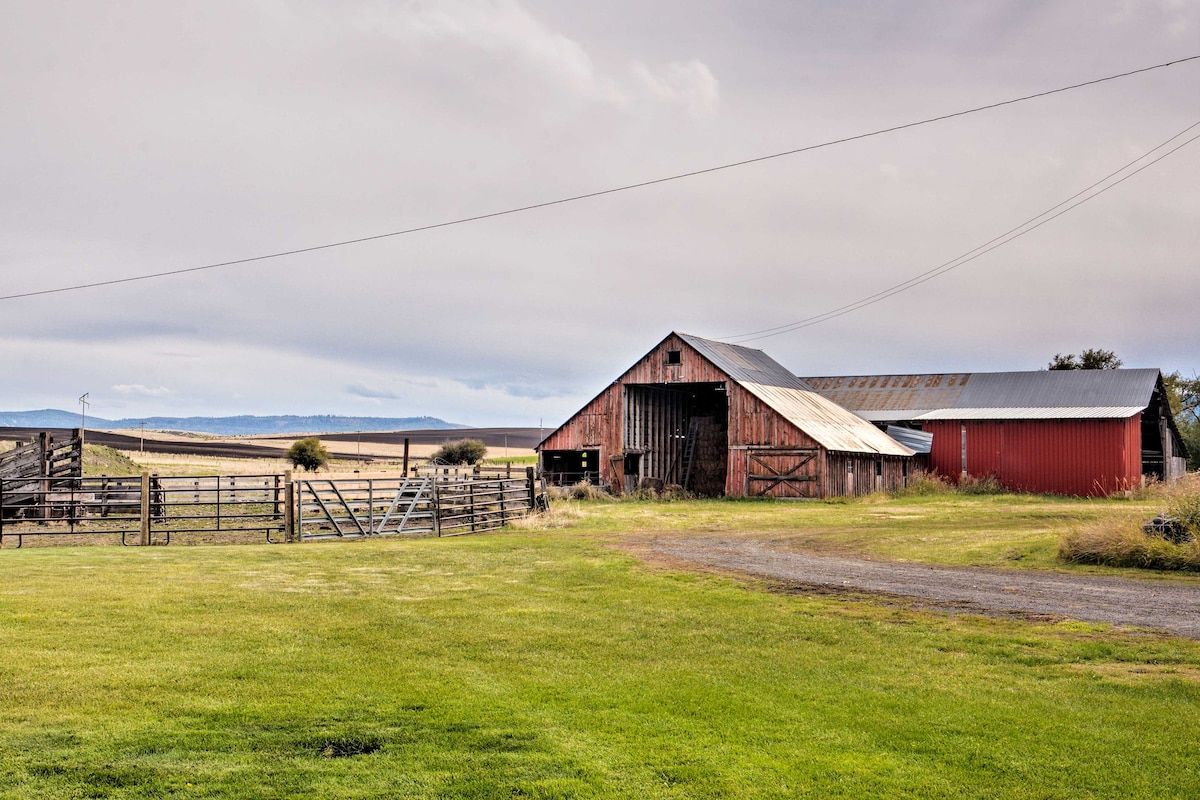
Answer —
(832, 426)
(745, 364)
(1044, 394)
(1097, 412)
(917, 441)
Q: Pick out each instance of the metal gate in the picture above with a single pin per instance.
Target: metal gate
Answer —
(364, 507)
(784, 472)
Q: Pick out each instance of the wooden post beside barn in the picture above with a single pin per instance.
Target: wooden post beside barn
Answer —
(289, 513)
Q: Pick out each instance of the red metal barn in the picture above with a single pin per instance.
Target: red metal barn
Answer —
(719, 419)
(1071, 432)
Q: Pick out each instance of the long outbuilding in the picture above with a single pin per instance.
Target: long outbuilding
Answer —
(1071, 432)
(721, 419)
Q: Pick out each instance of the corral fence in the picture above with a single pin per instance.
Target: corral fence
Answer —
(151, 509)
(44, 457)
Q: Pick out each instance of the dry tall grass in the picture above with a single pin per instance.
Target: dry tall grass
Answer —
(1118, 539)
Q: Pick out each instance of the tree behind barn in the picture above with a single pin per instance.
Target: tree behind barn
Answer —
(1088, 359)
(1184, 397)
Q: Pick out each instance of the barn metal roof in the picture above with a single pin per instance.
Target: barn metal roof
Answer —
(832, 426)
(917, 441)
(1097, 412)
(1044, 394)
(745, 364)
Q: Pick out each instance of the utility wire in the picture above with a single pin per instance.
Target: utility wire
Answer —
(600, 193)
(1011, 235)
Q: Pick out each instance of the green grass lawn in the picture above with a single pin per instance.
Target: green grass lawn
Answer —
(986, 530)
(549, 664)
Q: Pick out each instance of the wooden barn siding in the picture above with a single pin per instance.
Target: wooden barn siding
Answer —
(602, 422)
(840, 483)
(1071, 457)
(751, 423)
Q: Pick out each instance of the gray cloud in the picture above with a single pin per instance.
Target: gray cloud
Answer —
(369, 393)
(150, 136)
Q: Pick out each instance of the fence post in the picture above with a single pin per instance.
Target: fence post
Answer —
(437, 506)
(145, 511)
(289, 513)
(532, 488)
(44, 441)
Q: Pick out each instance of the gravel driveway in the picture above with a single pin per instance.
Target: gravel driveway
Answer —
(1171, 607)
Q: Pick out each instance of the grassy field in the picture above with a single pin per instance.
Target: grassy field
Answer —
(552, 664)
(1008, 531)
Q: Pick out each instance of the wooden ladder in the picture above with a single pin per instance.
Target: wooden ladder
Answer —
(689, 450)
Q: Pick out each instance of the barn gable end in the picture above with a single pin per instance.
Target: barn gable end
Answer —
(720, 419)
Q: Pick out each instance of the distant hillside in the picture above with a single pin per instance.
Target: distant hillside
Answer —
(227, 426)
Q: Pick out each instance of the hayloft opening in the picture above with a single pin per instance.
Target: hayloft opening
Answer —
(679, 434)
(674, 358)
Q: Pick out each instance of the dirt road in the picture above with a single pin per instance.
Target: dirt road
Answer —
(1158, 605)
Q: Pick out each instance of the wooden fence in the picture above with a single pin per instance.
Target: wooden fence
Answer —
(44, 458)
(151, 509)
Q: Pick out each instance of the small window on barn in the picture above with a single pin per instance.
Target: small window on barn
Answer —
(674, 358)
(879, 466)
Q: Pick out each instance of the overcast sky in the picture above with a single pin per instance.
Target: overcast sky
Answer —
(140, 137)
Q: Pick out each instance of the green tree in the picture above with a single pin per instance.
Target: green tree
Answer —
(308, 454)
(1088, 359)
(1184, 396)
(464, 451)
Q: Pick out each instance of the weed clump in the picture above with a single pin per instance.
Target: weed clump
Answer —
(924, 484)
(970, 484)
(560, 514)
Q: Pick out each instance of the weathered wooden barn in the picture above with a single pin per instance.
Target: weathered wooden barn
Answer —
(719, 419)
(1072, 432)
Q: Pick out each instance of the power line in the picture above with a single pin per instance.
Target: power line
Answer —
(1011, 235)
(600, 193)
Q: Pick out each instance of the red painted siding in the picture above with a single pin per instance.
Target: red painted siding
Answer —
(1071, 457)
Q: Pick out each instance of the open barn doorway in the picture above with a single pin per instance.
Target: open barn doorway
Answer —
(677, 434)
(568, 467)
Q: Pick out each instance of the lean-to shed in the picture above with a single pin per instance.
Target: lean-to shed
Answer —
(1073, 432)
(719, 419)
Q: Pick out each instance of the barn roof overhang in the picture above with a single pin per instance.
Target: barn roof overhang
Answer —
(1018, 413)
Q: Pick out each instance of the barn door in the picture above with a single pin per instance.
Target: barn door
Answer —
(792, 472)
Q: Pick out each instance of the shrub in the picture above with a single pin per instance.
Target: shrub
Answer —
(463, 451)
(308, 454)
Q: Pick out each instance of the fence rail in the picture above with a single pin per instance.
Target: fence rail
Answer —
(152, 509)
